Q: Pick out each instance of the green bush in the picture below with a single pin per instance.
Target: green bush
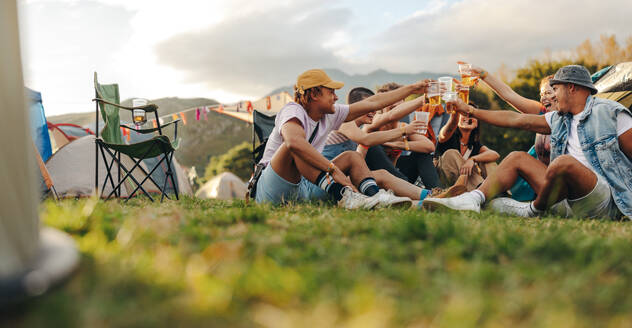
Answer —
(237, 160)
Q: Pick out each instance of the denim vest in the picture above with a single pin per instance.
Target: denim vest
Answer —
(597, 131)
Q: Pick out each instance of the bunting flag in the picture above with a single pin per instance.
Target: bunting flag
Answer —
(197, 114)
(268, 103)
(249, 106)
(174, 116)
(161, 121)
(154, 124)
(184, 118)
(206, 114)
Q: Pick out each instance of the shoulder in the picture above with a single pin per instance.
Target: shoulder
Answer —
(289, 111)
(342, 110)
(607, 104)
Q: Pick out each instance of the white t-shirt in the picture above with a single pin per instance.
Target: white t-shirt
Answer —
(574, 148)
(328, 123)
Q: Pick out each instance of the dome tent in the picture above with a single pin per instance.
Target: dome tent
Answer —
(225, 186)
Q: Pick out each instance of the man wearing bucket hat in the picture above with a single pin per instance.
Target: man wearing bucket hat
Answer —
(296, 170)
(590, 174)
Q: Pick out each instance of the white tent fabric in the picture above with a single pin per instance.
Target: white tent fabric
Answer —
(31, 261)
(19, 226)
(225, 186)
(72, 170)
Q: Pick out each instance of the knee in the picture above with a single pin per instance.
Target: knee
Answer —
(451, 155)
(516, 157)
(380, 174)
(560, 166)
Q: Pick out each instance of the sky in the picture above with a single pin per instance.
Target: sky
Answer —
(233, 50)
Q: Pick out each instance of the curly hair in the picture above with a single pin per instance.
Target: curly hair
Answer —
(307, 95)
(388, 87)
(545, 80)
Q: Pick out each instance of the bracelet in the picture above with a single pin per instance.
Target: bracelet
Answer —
(406, 143)
(483, 74)
(363, 146)
(331, 168)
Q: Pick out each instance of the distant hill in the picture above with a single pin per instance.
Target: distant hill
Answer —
(166, 106)
(371, 80)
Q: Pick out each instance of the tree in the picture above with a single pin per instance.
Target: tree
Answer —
(237, 160)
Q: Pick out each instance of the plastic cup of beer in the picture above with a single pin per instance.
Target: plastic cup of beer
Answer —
(434, 94)
(423, 117)
(463, 92)
(445, 84)
(139, 116)
(467, 76)
(450, 101)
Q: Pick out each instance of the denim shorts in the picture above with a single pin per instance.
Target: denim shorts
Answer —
(331, 151)
(597, 204)
(271, 188)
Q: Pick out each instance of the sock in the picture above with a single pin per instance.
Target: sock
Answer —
(333, 188)
(369, 187)
(478, 196)
(424, 193)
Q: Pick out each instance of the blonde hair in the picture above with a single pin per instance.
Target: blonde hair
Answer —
(303, 97)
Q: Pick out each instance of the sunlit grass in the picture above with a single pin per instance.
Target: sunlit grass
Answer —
(211, 263)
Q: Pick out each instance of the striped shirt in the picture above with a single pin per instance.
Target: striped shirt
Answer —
(335, 137)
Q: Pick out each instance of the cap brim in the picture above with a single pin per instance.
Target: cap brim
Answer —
(334, 85)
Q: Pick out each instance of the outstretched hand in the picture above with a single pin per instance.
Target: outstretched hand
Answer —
(420, 87)
(461, 107)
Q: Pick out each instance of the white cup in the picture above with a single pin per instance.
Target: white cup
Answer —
(445, 84)
(423, 117)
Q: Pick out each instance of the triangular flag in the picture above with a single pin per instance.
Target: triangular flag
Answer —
(162, 122)
(184, 118)
(268, 103)
(154, 123)
(249, 106)
(174, 116)
(206, 115)
(197, 114)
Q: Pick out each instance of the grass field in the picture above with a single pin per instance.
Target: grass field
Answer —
(199, 263)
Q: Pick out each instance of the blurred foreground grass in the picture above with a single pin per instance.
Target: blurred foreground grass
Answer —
(200, 263)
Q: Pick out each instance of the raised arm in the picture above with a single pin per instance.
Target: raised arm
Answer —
(382, 100)
(448, 129)
(353, 132)
(396, 113)
(506, 118)
(520, 103)
(416, 143)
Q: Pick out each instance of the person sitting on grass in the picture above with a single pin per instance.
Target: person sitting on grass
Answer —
(389, 156)
(541, 149)
(462, 159)
(296, 169)
(591, 151)
(350, 136)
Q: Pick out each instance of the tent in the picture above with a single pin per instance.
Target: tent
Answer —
(39, 130)
(616, 84)
(225, 186)
(272, 104)
(63, 133)
(72, 170)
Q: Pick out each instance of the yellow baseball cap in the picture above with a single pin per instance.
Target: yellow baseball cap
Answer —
(315, 78)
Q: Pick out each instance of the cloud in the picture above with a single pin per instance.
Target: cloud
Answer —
(260, 48)
(488, 32)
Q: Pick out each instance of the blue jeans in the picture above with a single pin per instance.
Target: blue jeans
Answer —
(271, 188)
(331, 151)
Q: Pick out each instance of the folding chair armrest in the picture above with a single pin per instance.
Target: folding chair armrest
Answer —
(146, 108)
(145, 131)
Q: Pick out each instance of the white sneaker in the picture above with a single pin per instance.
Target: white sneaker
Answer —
(352, 200)
(388, 198)
(463, 202)
(560, 209)
(506, 205)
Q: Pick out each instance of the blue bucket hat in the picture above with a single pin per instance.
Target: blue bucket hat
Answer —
(575, 74)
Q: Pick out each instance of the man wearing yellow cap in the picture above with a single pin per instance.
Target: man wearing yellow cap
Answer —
(296, 170)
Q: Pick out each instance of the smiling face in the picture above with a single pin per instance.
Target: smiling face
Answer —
(562, 97)
(467, 123)
(547, 97)
(325, 100)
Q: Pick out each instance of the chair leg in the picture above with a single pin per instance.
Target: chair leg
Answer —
(129, 175)
(148, 176)
(108, 168)
(169, 158)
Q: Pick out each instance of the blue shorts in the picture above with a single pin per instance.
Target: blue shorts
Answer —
(331, 151)
(271, 188)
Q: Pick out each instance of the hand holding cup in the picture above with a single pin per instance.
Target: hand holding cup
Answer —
(416, 127)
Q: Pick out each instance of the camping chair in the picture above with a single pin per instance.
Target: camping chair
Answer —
(108, 104)
(262, 127)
